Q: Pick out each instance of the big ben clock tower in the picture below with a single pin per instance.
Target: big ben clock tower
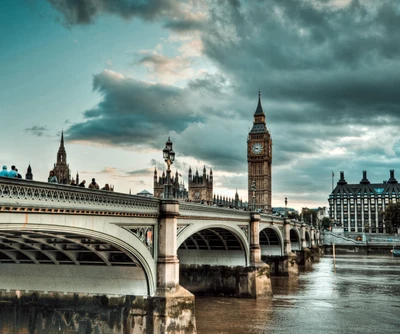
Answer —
(259, 159)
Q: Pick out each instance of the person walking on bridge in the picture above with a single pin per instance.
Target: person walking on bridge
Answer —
(12, 173)
(93, 184)
(52, 177)
(4, 172)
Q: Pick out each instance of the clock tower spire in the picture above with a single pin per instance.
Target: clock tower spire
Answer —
(259, 159)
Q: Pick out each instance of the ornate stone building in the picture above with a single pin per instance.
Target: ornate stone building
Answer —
(201, 186)
(259, 159)
(178, 187)
(61, 168)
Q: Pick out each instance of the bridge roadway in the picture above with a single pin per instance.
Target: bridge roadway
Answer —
(71, 239)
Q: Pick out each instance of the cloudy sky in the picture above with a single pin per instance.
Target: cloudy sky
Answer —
(120, 76)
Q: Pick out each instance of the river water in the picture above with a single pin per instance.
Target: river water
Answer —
(362, 295)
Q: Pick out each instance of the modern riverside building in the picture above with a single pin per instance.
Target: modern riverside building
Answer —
(358, 207)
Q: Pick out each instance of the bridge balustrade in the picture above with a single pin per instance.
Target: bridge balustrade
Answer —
(32, 196)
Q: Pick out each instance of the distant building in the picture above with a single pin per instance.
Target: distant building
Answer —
(231, 202)
(280, 211)
(201, 186)
(178, 187)
(145, 193)
(29, 175)
(358, 207)
(61, 168)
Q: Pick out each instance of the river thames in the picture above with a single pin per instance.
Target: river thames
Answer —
(361, 296)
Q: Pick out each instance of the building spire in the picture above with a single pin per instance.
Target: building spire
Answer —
(62, 139)
(259, 110)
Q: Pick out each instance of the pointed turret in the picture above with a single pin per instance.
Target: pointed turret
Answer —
(259, 110)
(28, 175)
(61, 168)
(259, 125)
(62, 139)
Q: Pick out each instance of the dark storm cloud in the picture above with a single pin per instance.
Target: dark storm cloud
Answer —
(326, 72)
(340, 59)
(37, 130)
(86, 11)
(133, 112)
(184, 25)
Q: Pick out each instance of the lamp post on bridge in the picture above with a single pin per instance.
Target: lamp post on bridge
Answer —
(286, 207)
(169, 157)
(253, 189)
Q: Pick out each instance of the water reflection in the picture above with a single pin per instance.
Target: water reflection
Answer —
(361, 296)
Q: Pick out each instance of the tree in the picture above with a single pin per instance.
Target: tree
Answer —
(325, 223)
(293, 215)
(392, 217)
(309, 215)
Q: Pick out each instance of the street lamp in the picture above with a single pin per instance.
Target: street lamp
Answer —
(253, 188)
(169, 157)
(286, 207)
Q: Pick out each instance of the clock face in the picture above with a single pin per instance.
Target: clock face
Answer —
(257, 148)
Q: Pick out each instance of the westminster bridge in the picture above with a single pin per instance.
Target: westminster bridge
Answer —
(58, 241)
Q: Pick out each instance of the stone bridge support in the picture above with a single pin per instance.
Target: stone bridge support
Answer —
(315, 249)
(304, 256)
(285, 265)
(172, 305)
(257, 277)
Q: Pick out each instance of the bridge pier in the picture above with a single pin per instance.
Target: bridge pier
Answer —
(173, 305)
(315, 249)
(304, 257)
(258, 273)
(285, 265)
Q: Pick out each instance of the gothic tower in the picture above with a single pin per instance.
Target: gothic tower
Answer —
(178, 187)
(28, 175)
(201, 186)
(259, 159)
(61, 168)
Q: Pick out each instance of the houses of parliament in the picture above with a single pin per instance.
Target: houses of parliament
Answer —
(259, 160)
(200, 185)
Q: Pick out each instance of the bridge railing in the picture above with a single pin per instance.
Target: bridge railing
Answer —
(33, 196)
(189, 209)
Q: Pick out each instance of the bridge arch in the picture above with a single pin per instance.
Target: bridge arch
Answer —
(295, 239)
(109, 258)
(213, 244)
(271, 241)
